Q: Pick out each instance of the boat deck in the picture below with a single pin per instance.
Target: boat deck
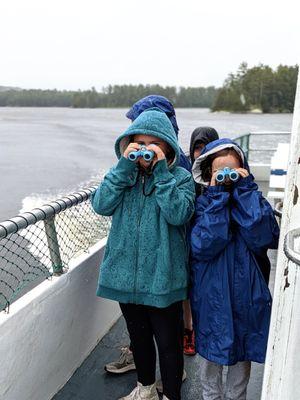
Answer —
(91, 382)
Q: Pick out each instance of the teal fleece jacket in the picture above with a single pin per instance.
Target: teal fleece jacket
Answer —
(146, 256)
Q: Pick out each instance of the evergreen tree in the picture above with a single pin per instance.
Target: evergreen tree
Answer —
(258, 87)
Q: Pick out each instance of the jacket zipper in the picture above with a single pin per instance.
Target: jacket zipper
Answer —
(138, 236)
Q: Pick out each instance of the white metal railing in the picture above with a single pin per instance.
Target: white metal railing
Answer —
(38, 244)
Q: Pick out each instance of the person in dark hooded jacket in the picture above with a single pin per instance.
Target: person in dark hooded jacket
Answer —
(232, 229)
(201, 136)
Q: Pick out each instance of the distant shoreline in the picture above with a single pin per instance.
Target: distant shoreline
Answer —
(177, 108)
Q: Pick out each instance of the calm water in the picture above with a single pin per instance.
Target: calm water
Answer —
(46, 152)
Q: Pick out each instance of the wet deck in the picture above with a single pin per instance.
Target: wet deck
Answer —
(91, 382)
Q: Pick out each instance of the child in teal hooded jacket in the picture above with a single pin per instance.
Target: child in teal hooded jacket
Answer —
(145, 265)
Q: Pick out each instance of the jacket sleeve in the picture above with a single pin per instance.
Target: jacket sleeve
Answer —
(174, 198)
(254, 216)
(211, 233)
(184, 162)
(110, 191)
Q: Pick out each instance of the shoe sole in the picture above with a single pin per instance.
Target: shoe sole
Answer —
(120, 371)
(189, 354)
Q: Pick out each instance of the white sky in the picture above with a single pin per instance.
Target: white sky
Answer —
(76, 44)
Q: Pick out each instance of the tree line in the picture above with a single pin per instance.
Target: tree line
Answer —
(260, 88)
(110, 96)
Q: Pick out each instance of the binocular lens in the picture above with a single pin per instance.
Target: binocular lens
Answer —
(132, 156)
(220, 177)
(233, 175)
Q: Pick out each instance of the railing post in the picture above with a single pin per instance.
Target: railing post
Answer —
(247, 145)
(243, 141)
(53, 246)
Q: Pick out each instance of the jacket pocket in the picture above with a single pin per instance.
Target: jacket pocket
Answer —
(170, 273)
(116, 271)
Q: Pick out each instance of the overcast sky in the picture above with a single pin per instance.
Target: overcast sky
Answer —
(77, 44)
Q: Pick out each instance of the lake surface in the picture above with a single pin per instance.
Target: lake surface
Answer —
(47, 152)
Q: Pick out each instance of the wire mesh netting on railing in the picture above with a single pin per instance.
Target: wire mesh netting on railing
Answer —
(40, 243)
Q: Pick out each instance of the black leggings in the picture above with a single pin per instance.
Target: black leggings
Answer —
(166, 326)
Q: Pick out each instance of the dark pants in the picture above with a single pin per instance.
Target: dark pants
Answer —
(144, 323)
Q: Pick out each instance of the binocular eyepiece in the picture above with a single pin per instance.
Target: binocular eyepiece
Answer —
(222, 174)
(143, 152)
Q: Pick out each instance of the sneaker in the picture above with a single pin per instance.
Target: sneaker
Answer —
(189, 343)
(159, 385)
(141, 392)
(124, 364)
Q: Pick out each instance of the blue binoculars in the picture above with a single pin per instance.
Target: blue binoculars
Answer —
(143, 152)
(232, 174)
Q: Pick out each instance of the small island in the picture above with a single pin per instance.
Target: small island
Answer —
(258, 90)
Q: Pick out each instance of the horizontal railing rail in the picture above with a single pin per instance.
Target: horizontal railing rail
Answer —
(253, 143)
(44, 212)
(40, 243)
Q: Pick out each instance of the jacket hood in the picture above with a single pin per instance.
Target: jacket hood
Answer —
(203, 134)
(154, 100)
(212, 148)
(152, 122)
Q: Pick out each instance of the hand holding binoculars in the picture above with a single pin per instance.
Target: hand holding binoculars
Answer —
(225, 173)
(143, 152)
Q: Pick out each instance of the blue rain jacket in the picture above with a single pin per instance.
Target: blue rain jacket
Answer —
(230, 299)
(184, 162)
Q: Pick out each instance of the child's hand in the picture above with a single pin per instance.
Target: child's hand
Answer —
(131, 147)
(242, 171)
(159, 154)
(213, 181)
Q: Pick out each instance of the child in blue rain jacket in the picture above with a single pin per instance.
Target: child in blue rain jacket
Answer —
(233, 227)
